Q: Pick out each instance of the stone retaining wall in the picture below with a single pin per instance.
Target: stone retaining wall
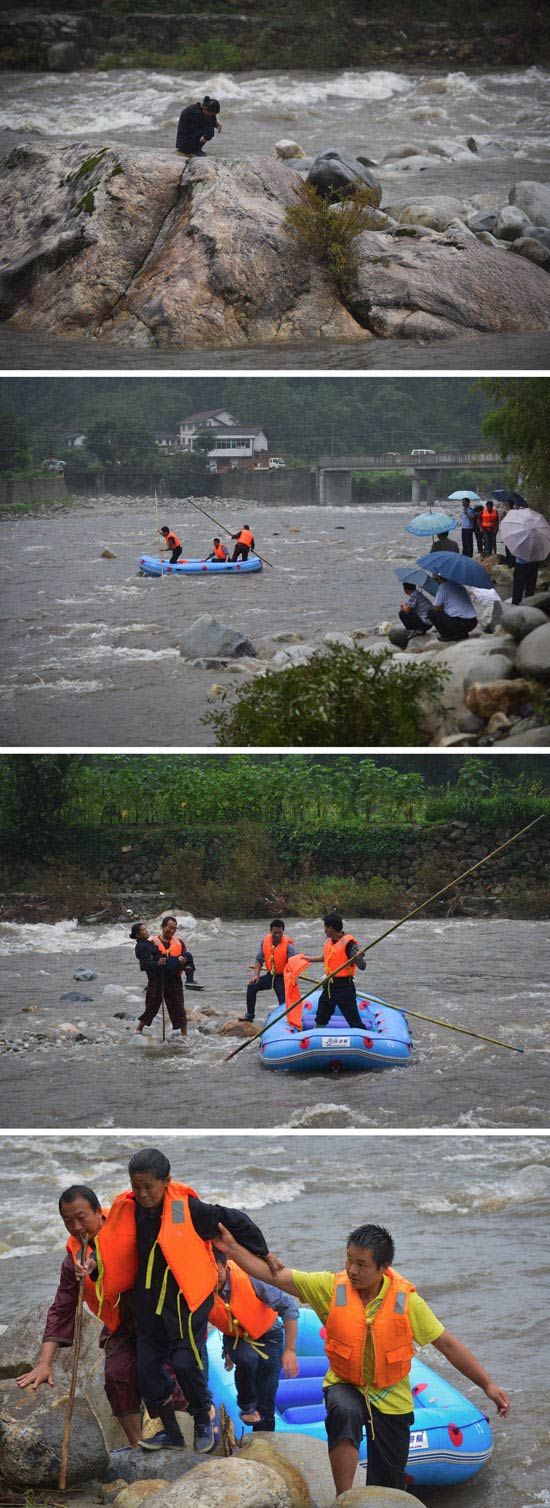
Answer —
(35, 489)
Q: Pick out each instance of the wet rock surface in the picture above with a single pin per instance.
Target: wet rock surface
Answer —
(31, 1434)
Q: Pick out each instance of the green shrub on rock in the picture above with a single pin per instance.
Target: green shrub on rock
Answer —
(341, 696)
(326, 229)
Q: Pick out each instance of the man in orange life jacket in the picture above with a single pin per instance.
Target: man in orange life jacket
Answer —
(164, 973)
(273, 954)
(171, 542)
(245, 542)
(83, 1218)
(246, 1310)
(156, 1242)
(372, 1317)
(340, 991)
(489, 522)
(218, 551)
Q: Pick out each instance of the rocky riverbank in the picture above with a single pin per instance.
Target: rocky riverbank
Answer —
(121, 246)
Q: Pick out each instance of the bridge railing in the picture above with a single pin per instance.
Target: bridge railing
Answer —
(391, 461)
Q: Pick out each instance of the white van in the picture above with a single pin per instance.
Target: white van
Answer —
(275, 462)
(422, 452)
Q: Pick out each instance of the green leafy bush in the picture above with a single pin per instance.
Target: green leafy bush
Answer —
(326, 231)
(342, 696)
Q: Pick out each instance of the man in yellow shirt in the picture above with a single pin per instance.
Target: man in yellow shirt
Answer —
(373, 1317)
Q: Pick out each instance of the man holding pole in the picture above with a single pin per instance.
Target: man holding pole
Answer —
(373, 1317)
(340, 948)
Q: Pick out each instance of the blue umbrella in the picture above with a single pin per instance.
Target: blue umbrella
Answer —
(417, 577)
(431, 523)
(456, 497)
(503, 495)
(457, 568)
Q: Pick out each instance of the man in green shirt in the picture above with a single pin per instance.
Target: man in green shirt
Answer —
(376, 1339)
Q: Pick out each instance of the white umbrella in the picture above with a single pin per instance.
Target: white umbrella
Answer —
(456, 497)
(526, 533)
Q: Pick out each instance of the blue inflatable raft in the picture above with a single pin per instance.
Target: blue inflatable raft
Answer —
(150, 565)
(450, 1437)
(384, 1040)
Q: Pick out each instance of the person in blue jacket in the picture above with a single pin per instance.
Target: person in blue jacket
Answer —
(197, 125)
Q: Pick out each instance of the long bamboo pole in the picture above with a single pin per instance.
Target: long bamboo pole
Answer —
(74, 1375)
(367, 947)
(435, 1021)
(225, 529)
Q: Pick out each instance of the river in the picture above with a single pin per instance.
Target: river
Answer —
(505, 111)
(457, 970)
(90, 649)
(469, 1217)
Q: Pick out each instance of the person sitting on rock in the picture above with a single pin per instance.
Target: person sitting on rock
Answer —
(197, 125)
(373, 1317)
(218, 551)
(443, 542)
(156, 1242)
(171, 542)
(414, 612)
(452, 613)
(248, 1312)
(273, 955)
(245, 543)
(83, 1218)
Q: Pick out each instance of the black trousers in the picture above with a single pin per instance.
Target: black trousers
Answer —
(241, 552)
(342, 994)
(467, 541)
(152, 1356)
(176, 552)
(524, 580)
(265, 982)
(410, 619)
(257, 1377)
(448, 627)
(387, 1445)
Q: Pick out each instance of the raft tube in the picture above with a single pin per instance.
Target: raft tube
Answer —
(450, 1437)
(149, 565)
(384, 1041)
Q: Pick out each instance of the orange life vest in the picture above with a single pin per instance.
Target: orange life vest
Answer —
(220, 552)
(175, 948)
(245, 538)
(275, 955)
(245, 1315)
(187, 1256)
(172, 541)
(110, 1311)
(334, 954)
(293, 991)
(347, 1330)
(489, 518)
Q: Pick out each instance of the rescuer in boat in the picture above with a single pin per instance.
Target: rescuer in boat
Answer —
(83, 1218)
(340, 991)
(373, 1317)
(273, 955)
(248, 1311)
(156, 1243)
(218, 551)
(245, 543)
(164, 960)
(197, 125)
(171, 543)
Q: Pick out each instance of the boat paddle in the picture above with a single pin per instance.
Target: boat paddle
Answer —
(226, 530)
(74, 1373)
(367, 947)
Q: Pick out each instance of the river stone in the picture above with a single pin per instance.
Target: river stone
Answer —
(469, 723)
(119, 244)
(456, 660)
(533, 656)
(433, 213)
(310, 1455)
(208, 638)
(263, 1449)
(510, 223)
(75, 998)
(334, 636)
(131, 1497)
(398, 635)
(534, 199)
(538, 599)
(226, 1484)
(19, 1346)
(483, 220)
(294, 654)
(416, 164)
(486, 697)
(521, 620)
(288, 149)
(403, 149)
(433, 288)
(63, 57)
(84, 974)
(537, 736)
(333, 171)
(31, 1434)
(377, 1497)
(491, 668)
(533, 248)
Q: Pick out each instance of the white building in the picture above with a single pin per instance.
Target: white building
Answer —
(234, 445)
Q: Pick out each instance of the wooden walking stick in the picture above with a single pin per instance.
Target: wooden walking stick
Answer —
(163, 1009)
(74, 1374)
(226, 530)
(367, 947)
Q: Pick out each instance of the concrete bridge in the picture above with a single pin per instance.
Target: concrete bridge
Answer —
(333, 473)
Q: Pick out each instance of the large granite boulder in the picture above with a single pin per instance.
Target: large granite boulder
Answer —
(434, 213)
(533, 656)
(521, 620)
(489, 668)
(338, 172)
(377, 1497)
(207, 638)
(19, 1347)
(123, 245)
(224, 1484)
(535, 246)
(484, 698)
(534, 199)
(264, 1449)
(440, 285)
(31, 1435)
